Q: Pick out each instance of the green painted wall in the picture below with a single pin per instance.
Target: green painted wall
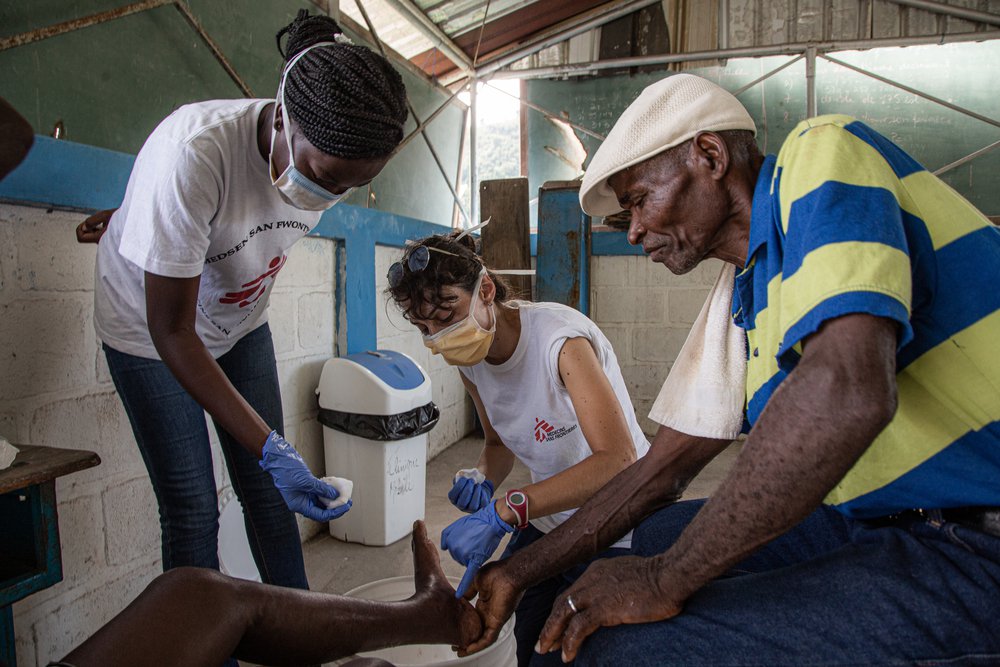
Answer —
(112, 83)
(964, 74)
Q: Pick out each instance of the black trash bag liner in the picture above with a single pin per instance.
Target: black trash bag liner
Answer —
(383, 427)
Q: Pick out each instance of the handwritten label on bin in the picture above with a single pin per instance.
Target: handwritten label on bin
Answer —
(399, 471)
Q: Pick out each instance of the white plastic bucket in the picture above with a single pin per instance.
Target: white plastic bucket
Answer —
(235, 557)
(501, 654)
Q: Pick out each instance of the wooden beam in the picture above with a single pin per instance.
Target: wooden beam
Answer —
(506, 241)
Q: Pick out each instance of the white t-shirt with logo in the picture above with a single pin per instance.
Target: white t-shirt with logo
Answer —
(530, 408)
(199, 202)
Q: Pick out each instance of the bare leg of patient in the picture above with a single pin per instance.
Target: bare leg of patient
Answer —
(192, 616)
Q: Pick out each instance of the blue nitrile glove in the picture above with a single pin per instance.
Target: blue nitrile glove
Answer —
(471, 490)
(300, 489)
(472, 540)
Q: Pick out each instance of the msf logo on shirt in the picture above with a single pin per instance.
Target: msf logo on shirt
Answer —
(542, 429)
(546, 432)
(255, 289)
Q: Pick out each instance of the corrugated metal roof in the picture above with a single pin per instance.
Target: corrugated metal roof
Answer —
(460, 26)
(455, 17)
(393, 29)
(444, 37)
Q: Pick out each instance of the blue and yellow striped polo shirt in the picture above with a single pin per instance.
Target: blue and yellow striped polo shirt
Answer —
(844, 221)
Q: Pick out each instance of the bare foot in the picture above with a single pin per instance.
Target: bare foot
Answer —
(460, 624)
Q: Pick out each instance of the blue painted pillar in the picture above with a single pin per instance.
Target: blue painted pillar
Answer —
(359, 291)
(361, 229)
(563, 264)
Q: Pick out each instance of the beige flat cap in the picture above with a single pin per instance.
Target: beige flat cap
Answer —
(666, 114)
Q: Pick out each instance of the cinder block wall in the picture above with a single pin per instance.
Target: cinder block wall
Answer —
(56, 391)
(646, 312)
(395, 333)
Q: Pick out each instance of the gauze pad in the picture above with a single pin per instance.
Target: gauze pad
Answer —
(470, 473)
(345, 488)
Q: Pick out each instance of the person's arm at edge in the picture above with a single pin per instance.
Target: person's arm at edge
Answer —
(654, 481)
(820, 420)
(93, 227)
(495, 461)
(170, 315)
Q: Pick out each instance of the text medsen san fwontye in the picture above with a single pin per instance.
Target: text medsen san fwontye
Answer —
(267, 226)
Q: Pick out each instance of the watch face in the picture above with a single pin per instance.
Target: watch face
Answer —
(517, 498)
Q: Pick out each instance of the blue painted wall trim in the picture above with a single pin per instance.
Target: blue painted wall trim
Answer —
(361, 229)
(64, 174)
(612, 243)
(67, 175)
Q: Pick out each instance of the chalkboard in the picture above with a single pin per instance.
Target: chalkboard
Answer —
(965, 74)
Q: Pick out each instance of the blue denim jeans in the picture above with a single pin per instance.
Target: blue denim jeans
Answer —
(536, 603)
(832, 591)
(172, 435)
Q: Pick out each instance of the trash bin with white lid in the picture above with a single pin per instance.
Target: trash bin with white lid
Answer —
(376, 410)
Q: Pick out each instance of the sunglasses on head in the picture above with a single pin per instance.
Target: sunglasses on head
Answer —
(416, 261)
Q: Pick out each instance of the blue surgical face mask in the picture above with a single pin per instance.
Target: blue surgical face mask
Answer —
(292, 185)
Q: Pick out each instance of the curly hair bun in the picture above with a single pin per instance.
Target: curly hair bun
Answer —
(468, 241)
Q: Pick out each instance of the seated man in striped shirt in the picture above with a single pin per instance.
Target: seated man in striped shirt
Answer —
(859, 524)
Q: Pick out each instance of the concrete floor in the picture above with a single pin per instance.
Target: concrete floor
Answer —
(337, 567)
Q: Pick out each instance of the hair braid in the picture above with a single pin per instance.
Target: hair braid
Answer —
(347, 99)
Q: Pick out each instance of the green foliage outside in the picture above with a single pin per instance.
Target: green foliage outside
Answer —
(498, 154)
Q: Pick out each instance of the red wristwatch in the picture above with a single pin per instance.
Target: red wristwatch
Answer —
(517, 501)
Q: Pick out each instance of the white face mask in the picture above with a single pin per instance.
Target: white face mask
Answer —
(292, 185)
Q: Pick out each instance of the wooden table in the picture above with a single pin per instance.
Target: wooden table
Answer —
(30, 557)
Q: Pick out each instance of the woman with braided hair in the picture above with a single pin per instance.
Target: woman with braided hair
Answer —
(219, 192)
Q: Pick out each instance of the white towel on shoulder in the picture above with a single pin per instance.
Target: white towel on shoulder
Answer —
(705, 391)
